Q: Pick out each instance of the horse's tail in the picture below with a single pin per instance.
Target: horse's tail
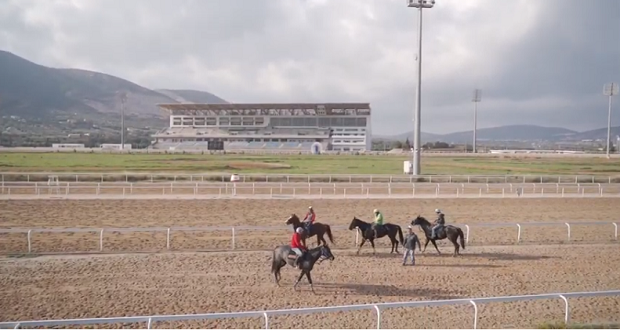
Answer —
(400, 235)
(462, 238)
(274, 264)
(328, 231)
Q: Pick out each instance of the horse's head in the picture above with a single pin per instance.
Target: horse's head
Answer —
(326, 252)
(292, 220)
(354, 223)
(419, 221)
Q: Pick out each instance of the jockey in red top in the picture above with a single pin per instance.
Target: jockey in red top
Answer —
(298, 245)
(309, 219)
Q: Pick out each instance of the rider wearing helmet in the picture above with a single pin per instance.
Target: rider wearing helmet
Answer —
(378, 221)
(298, 245)
(309, 219)
(440, 222)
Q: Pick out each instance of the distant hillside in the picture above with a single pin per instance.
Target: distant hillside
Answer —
(511, 133)
(190, 96)
(31, 90)
(597, 134)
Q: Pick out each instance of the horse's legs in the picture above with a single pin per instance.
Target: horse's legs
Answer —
(456, 246)
(426, 244)
(372, 242)
(435, 244)
(299, 279)
(360, 247)
(310, 281)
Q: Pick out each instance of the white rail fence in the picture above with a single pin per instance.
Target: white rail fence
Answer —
(316, 190)
(266, 314)
(234, 231)
(329, 178)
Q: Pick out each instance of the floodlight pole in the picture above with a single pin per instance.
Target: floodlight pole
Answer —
(123, 100)
(417, 136)
(477, 98)
(609, 90)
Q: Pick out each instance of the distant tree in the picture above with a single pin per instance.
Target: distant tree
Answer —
(407, 144)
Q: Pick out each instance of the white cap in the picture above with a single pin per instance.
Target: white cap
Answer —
(309, 207)
(375, 211)
(299, 230)
(437, 211)
(410, 226)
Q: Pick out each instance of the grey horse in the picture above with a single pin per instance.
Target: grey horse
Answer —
(283, 255)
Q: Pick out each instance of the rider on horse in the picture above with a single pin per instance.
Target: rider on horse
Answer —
(298, 245)
(440, 222)
(378, 221)
(309, 219)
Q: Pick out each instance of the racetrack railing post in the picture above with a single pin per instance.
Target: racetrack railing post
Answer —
(566, 310)
(615, 230)
(467, 238)
(149, 323)
(357, 236)
(378, 316)
(568, 229)
(233, 238)
(518, 233)
(266, 318)
(101, 240)
(168, 239)
(30, 241)
(475, 314)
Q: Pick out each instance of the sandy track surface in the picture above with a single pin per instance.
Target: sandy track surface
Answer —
(208, 213)
(129, 285)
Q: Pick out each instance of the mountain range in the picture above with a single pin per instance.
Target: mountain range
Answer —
(510, 133)
(31, 90)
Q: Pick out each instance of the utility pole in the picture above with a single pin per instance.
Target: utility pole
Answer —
(610, 90)
(477, 98)
(417, 136)
(123, 100)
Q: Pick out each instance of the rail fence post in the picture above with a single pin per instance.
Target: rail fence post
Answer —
(29, 240)
(615, 230)
(148, 325)
(475, 314)
(378, 316)
(480, 193)
(566, 310)
(503, 192)
(518, 233)
(357, 235)
(345, 193)
(168, 239)
(467, 238)
(568, 227)
(266, 317)
(101, 240)
(233, 238)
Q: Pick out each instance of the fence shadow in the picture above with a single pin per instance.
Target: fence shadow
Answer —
(493, 256)
(383, 290)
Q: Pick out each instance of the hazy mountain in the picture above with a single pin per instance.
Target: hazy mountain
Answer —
(426, 137)
(190, 96)
(31, 90)
(597, 134)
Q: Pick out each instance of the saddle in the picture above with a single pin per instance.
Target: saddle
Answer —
(307, 227)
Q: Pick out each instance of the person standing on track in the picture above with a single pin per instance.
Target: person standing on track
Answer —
(409, 245)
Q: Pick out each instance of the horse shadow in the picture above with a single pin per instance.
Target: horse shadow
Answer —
(386, 291)
(492, 256)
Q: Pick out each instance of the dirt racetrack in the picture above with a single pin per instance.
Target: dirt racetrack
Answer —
(52, 287)
(208, 213)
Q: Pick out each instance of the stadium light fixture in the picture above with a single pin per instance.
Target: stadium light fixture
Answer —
(476, 98)
(610, 90)
(417, 136)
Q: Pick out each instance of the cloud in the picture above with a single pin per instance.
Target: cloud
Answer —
(538, 62)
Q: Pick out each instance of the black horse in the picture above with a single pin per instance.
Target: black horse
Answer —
(450, 232)
(283, 255)
(368, 234)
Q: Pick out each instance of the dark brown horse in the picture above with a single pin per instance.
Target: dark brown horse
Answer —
(368, 234)
(317, 228)
(452, 233)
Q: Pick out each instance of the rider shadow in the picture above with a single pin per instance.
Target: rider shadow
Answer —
(493, 256)
(385, 291)
(378, 255)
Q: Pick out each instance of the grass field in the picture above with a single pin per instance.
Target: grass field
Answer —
(302, 164)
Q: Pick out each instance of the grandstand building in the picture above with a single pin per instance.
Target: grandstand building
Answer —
(303, 127)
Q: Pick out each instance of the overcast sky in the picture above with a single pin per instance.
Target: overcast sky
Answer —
(537, 62)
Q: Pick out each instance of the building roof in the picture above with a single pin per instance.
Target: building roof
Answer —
(270, 109)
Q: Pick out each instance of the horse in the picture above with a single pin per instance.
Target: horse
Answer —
(368, 234)
(317, 228)
(450, 232)
(283, 255)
